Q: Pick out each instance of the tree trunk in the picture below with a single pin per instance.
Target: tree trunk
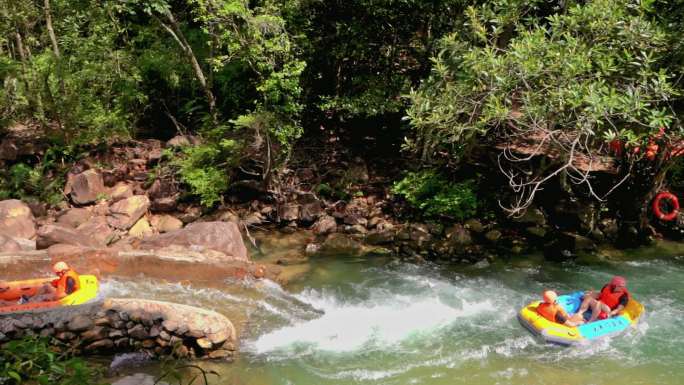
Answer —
(174, 29)
(51, 31)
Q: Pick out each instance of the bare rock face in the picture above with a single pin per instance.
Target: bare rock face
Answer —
(85, 187)
(98, 229)
(53, 234)
(165, 223)
(121, 190)
(223, 237)
(8, 244)
(125, 213)
(141, 228)
(74, 217)
(16, 219)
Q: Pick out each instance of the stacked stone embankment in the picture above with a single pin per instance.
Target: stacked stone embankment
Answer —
(123, 325)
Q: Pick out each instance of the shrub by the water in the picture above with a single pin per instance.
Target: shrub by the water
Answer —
(434, 195)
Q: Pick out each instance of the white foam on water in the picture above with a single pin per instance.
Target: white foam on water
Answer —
(347, 327)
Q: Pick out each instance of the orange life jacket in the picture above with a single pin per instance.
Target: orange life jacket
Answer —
(610, 298)
(549, 311)
(61, 283)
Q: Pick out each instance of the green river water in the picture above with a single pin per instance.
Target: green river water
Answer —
(382, 321)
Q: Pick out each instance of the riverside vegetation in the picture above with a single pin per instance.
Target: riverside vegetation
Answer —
(451, 130)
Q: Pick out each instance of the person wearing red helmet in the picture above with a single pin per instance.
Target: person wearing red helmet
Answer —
(552, 311)
(607, 303)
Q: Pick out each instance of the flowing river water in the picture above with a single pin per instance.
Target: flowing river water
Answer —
(383, 321)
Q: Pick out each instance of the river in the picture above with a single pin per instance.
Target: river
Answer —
(383, 321)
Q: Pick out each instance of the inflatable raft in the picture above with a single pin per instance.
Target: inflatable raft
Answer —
(87, 292)
(565, 335)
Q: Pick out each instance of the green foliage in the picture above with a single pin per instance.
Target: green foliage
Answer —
(41, 182)
(436, 196)
(196, 169)
(585, 69)
(31, 360)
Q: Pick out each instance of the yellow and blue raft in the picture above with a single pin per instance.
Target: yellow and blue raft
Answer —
(565, 335)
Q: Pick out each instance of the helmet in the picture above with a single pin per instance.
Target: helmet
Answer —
(60, 267)
(618, 281)
(550, 296)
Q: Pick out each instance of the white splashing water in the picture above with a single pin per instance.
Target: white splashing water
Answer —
(346, 327)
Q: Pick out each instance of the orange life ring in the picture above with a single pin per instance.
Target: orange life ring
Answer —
(673, 201)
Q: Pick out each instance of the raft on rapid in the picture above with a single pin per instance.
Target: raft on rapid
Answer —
(87, 292)
(565, 335)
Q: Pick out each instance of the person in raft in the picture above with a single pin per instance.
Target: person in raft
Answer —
(66, 283)
(609, 302)
(552, 311)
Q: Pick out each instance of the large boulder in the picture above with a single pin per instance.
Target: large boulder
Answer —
(340, 244)
(223, 237)
(8, 244)
(126, 212)
(86, 187)
(53, 234)
(141, 229)
(74, 217)
(98, 229)
(325, 225)
(165, 223)
(16, 219)
(121, 190)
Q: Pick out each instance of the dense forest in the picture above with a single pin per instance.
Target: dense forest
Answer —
(461, 108)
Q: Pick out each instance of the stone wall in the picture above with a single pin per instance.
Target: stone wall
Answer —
(122, 325)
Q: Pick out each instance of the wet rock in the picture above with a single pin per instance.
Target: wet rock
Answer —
(121, 190)
(288, 212)
(379, 237)
(86, 187)
(419, 235)
(458, 236)
(610, 228)
(532, 216)
(254, 219)
(74, 217)
(374, 221)
(223, 237)
(325, 225)
(16, 219)
(141, 229)
(493, 235)
(474, 225)
(165, 223)
(49, 235)
(125, 213)
(340, 244)
(310, 207)
(311, 248)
